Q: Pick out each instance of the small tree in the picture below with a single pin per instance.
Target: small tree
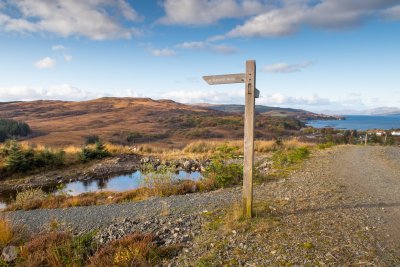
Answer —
(17, 160)
(98, 152)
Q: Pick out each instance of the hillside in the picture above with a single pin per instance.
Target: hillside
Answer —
(270, 111)
(134, 120)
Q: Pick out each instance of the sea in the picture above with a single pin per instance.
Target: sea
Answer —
(359, 122)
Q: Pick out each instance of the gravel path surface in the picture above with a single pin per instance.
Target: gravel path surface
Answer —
(371, 176)
(341, 208)
(81, 219)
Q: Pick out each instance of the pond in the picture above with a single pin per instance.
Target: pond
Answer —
(117, 184)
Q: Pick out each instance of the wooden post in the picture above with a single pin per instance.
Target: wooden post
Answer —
(366, 138)
(249, 138)
(251, 93)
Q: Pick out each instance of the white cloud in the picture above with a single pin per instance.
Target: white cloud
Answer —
(67, 58)
(284, 100)
(204, 12)
(289, 16)
(392, 13)
(237, 97)
(45, 63)
(57, 92)
(58, 48)
(222, 49)
(214, 97)
(65, 92)
(286, 68)
(193, 45)
(276, 22)
(72, 93)
(95, 19)
(166, 52)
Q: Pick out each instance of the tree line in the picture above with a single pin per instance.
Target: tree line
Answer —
(13, 129)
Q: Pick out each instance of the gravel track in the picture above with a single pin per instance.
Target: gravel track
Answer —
(82, 219)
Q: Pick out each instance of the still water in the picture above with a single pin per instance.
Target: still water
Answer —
(358, 122)
(117, 184)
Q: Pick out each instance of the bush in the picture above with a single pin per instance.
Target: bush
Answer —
(30, 199)
(47, 158)
(57, 249)
(18, 160)
(325, 145)
(132, 250)
(133, 137)
(222, 169)
(284, 158)
(92, 139)
(202, 133)
(225, 174)
(98, 152)
(23, 160)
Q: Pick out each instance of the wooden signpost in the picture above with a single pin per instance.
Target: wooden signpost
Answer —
(251, 93)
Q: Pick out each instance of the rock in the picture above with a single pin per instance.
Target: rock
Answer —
(187, 165)
(145, 160)
(10, 253)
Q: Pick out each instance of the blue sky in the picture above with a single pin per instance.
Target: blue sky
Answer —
(314, 54)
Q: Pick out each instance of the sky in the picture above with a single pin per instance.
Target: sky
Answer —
(319, 55)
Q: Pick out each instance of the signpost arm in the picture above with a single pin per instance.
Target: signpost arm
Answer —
(249, 122)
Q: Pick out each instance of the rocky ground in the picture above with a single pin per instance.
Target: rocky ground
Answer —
(340, 208)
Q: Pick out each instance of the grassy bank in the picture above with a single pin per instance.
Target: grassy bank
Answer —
(19, 159)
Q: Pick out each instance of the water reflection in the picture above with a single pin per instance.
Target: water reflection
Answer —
(120, 183)
(116, 184)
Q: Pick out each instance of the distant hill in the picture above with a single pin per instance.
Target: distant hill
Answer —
(380, 111)
(383, 111)
(142, 120)
(269, 111)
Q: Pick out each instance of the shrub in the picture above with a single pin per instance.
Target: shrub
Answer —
(284, 158)
(222, 169)
(17, 160)
(202, 133)
(98, 152)
(92, 139)
(23, 160)
(224, 174)
(325, 145)
(133, 137)
(30, 199)
(47, 158)
(57, 249)
(132, 250)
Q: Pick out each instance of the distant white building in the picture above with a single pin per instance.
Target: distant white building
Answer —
(396, 133)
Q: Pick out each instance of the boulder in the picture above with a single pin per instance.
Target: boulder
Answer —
(9, 254)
